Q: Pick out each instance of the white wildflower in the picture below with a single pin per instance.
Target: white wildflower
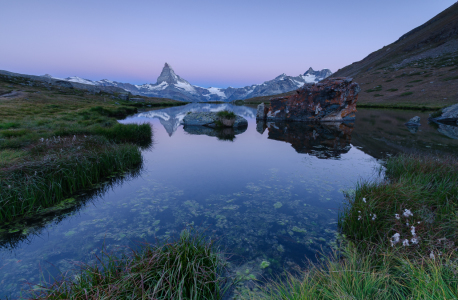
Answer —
(418, 222)
(9, 186)
(395, 239)
(414, 241)
(364, 200)
(42, 139)
(431, 255)
(397, 216)
(407, 224)
(407, 213)
(374, 217)
(405, 242)
(359, 218)
(413, 230)
(359, 211)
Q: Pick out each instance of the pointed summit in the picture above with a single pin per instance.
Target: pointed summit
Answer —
(280, 77)
(310, 71)
(167, 75)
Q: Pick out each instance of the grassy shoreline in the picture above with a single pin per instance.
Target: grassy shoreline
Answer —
(400, 239)
(378, 106)
(55, 142)
(401, 106)
(59, 168)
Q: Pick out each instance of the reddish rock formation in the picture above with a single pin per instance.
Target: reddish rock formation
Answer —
(331, 100)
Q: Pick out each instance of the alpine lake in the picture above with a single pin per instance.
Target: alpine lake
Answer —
(270, 194)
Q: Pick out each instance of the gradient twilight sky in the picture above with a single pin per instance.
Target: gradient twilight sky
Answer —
(209, 43)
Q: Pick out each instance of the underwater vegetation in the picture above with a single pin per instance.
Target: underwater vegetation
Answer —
(190, 267)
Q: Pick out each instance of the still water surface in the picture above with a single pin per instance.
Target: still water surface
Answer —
(269, 193)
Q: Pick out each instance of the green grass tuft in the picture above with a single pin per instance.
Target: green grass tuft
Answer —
(406, 94)
(226, 114)
(191, 267)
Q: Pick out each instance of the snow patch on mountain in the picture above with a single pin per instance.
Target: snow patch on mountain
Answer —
(216, 91)
(80, 80)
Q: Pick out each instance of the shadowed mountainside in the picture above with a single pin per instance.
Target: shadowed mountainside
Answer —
(418, 69)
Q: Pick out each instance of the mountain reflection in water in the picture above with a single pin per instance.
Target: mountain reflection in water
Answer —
(171, 117)
(325, 140)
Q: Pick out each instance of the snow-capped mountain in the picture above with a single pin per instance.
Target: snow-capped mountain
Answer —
(170, 85)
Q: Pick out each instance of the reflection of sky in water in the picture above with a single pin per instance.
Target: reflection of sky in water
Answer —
(262, 199)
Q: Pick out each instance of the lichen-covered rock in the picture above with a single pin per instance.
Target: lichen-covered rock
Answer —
(415, 121)
(331, 100)
(209, 119)
(449, 115)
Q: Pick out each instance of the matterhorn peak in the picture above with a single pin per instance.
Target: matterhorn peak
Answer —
(167, 75)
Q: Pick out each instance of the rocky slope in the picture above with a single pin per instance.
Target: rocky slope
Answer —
(170, 85)
(419, 69)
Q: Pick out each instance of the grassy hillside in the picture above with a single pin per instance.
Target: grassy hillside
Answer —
(419, 69)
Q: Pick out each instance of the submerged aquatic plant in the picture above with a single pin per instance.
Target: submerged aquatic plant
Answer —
(191, 267)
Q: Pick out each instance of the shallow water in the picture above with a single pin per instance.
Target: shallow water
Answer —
(269, 193)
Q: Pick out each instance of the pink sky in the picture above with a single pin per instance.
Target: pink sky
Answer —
(209, 43)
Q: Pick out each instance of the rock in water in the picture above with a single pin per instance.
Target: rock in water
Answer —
(209, 119)
(331, 100)
(415, 121)
(449, 115)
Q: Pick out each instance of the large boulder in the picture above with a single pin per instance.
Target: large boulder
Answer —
(209, 119)
(449, 115)
(331, 100)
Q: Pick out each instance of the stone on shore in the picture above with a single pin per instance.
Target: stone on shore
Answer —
(330, 100)
(209, 119)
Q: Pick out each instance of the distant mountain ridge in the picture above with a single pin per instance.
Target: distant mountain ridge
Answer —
(170, 85)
